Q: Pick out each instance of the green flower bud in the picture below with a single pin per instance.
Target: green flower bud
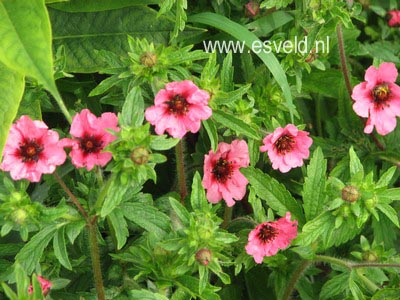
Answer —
(370, 203)
(204, 256)
(370, 256)
(148, 59)
(19, 216)
(350, 193)
(140, 156)
(16, 196)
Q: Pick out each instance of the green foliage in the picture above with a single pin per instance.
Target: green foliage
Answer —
(12, 87)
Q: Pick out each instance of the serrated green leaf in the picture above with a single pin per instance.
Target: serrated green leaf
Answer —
(25, 34)
(31, 253)
(227, 74)
(60, 249)
(235, 124)
(242, 34)
(145, 295)
(355, 163)
(22, 281)
(313, 229)
(96, 5)
(314, 196)
(198, 197)
(258, 209)
(115, 195)
(133, 109)
(147, 217)
(386, 177)
(161, 142)
(387, 294)
(335, 286)
(390, 212)
(273, 193)
(11, 90)
(180, 211)
(354, 288)
(392, 194)
(74, 229)
(120, 227)
(211, 129)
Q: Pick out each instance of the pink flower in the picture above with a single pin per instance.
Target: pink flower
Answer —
(90, 138)
(268, 237)
(31, 150)
(45, 284)
(394, 18)
(378, 98)
(222, 177)
(179, 108)
(287, 147)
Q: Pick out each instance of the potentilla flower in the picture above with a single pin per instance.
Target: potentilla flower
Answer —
(394, 18)
(90, 138)
(179, 108)
(268, 237)
(45, 284)
(31, 150)
(222, 177)
(287, 147)
(378, 98)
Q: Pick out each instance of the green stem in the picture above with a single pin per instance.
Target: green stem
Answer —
(95, 256)
(353, 265)
(62, 106)
(227, 216)
(180, 170)
(295, 278)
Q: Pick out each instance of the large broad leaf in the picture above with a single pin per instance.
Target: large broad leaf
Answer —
(25, 36)
(273, 193)
(242, 34)
(96, 5)
(83, 34)
(11, 90)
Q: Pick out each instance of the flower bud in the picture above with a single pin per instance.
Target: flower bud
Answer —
(252, 9)
(203, 256)
(16, 196)
(19, 216)
(148, 59)
(350, 193)
(140, 156)
(370, 256)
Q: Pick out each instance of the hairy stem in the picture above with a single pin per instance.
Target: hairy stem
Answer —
(180, 170)
(95, 256)
(353, 265)
(94, 247)
(343, 61)
(227, 216)
(72, 196)
(295, 278)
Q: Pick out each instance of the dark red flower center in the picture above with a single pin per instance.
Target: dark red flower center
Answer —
(381, 94)
(267, 233)
(90, 144)
(222, 170)
(178, 105)
(30, 150)
(284, 144)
